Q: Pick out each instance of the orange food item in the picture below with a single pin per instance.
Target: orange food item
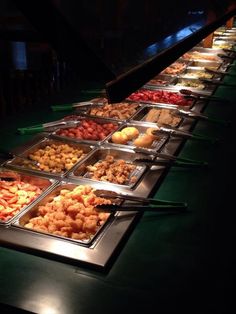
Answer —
(144, 140)
(149, 132)
(14, 196)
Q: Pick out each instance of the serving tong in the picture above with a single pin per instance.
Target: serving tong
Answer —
(198, 95)
(220, 72)
(83, 104)
(216, 82)
(221, 55)
(47, 127)
(229, 51)
(136, 203)
(166, 159)
(166, 129)
(196, 115)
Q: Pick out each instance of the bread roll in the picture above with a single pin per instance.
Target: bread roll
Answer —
(144, 140)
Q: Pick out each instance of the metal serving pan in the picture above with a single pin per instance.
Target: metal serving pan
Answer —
(142, 128)
(205, 63)
(100, 155)
(168, 70)
(204, 57)
(100, 121)
(19, 164)
(161, 80)
(230, 37)
(169, 89)
(230, 30)
(89, 235)
(7, 185)
(117, 114)
(210, 51)
(192, 83)
(195, 72)
(142, 115)
(222, 44)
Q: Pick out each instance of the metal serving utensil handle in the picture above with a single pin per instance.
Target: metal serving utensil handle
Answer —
(174, 163)
(154, 154)
(186, 135)
(197, 115)
(229, 50)
(190, 114)
(226, 56)
(220, 72)
(181, 207)
(127, 197)
(218, 83)
(177, 133)
(171, 157)
(189, 93)
(72, 106)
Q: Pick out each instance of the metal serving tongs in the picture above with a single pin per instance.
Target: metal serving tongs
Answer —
(93, 103)
(216, 82)
(165, 129)
(219, 72)
(198, 95)
(166, 159)
(47, 127)
(139, 204)
(196, 115)
(229, 51)
(221, 55)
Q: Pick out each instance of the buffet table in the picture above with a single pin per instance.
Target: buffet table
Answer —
(167, 263)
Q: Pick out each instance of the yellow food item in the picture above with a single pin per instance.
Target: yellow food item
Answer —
(131, 132)
(144, 140)
(149, 132)
(119, 138)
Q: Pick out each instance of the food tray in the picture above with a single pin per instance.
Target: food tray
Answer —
(204, 63)
(17, 163)
(223, 44)
(45, 184)
(230, 37)
(191, 83)
(164, 80)
(142, 128)
(89, 140)
(230, 30)
(142, 114)
(211, 51)
(195, 72)
(201, 54)
(170, 96)
(52, 195)
(100, 155)
(172, 70)
(117, 115)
